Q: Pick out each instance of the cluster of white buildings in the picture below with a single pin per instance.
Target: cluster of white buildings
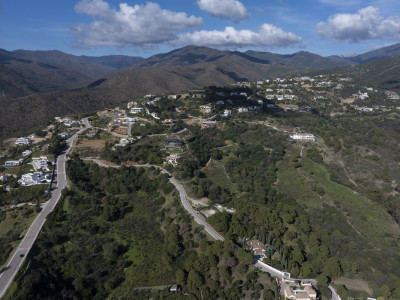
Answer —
(249, 108)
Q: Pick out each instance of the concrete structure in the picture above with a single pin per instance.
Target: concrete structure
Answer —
(23, 141)
(40, 164)
(296, 294)
(34, 178)
(227, 113)
(124, 141)
(174, 159)
(13, 163)
(137, 110)
(303, 137)
(206, 109)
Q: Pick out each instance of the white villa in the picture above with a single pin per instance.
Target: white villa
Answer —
(303, 137)
(295, 294)
(23, 141)
(227, 113)
(27, 152)
(34, 178)
(13, 163)
(40, 164)
(137, 110)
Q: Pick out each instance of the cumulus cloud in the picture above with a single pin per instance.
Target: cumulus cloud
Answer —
(366, 24)
(230, 38)
(225, 9)
(140, 25)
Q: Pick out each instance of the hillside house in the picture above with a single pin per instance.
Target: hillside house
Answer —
(70, 123)
(167, 122)
(207, 124)
(365, 109)
(155, 115)
(172, 97)
(124, 141)
(26, 153)
(13, 163)
(205, 109)
(257, 248)
(297, 294)
(64, 135)
(172, 143)
(34, 178)
(173, 159)
(227, 113)
(40, 164)
(303, 137)
(198, 95)
(23, 141)
(137, 110)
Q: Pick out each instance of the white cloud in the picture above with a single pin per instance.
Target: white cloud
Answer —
(230, 38)
(366, 24)
(225, 9)
(140, 25)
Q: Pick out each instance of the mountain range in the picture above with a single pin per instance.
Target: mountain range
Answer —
(38, 85)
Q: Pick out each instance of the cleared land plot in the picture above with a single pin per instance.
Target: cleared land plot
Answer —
(353, 284)
(373, 222)
(216, 172)
(91, 144)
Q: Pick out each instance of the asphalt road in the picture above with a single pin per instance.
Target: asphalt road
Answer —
(7, 276)
(182, 193)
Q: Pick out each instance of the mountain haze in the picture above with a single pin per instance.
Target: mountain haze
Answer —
(300, 59)
(37, 84)
(25, 72)
(381, 53)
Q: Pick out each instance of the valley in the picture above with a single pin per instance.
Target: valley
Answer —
(288, 164)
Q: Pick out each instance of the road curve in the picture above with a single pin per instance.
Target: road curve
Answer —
(199, 219)
(183, 196)
(15, 263)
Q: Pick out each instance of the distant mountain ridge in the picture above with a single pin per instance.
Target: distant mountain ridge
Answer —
(378, 54)
(25, 72)
(300, 59)
(43, 84)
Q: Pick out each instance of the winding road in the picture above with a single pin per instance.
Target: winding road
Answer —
(7, 276)
(182, 193)
(200, 220)
(10, 271)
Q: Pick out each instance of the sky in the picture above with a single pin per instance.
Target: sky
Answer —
(145, 28)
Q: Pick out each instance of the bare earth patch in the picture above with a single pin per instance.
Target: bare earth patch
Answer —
(354, 284)
(348, 100)
(91, 144)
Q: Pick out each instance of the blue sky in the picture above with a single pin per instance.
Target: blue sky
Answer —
(144, 28)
